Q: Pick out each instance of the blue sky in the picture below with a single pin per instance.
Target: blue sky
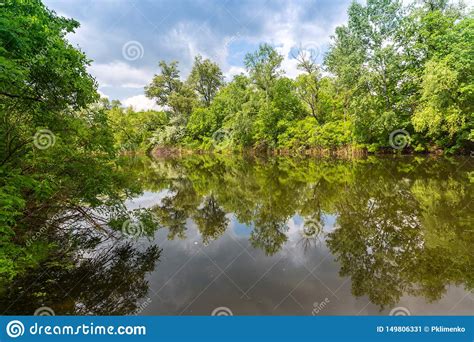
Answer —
(126, 38)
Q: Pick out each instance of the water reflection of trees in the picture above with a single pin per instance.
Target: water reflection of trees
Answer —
(110, 282)
(403, 226)
(79, 258)
(210, 219)
(406, 231)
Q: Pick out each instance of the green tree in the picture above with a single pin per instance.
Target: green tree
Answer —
(234, 107)
(366, 58)
(164, 84)
(57, 159)
(308, 84)
(445, 112)
(206, 78)
(264, 66)
(134, 130)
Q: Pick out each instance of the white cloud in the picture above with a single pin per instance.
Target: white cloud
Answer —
(102, 94)
(282, 32)
(133, 85)
(233, 71)
(223, 33)
(120, 74)
(140, 102)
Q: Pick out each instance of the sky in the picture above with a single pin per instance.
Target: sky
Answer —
(125, 39)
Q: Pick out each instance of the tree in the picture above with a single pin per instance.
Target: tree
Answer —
(366, 58)
(206, 78)
(307, 88)
(133, 130)
(202, 123)
(388, 69)
(45, 92)
(164, 84)
(275, 116)
(264, 66)
(308, 84)
(179, 98)
(58, 164)
(182, 103)
(444, 114)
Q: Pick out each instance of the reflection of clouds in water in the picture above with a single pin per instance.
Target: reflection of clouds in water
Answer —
(293, 247)
(329, 223)
(186, 271)
(292, 265)
(197, 271)
(186, 268)
(296, 225)
(241, 232)
(292, 237)
(187, 245)
(239, 229)
(193, 237)
(148, 199)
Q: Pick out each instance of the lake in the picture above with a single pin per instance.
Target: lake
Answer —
(248, 235)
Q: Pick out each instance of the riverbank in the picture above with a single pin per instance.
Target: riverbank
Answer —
(342, 152)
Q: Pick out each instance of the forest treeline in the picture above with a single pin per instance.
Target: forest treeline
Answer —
(60, 185)
(395, 77)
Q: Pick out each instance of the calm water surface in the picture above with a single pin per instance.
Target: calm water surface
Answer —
(284, 236)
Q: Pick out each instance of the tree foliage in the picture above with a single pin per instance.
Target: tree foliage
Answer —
(390, 68)
(57, 158)
(206, 78)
